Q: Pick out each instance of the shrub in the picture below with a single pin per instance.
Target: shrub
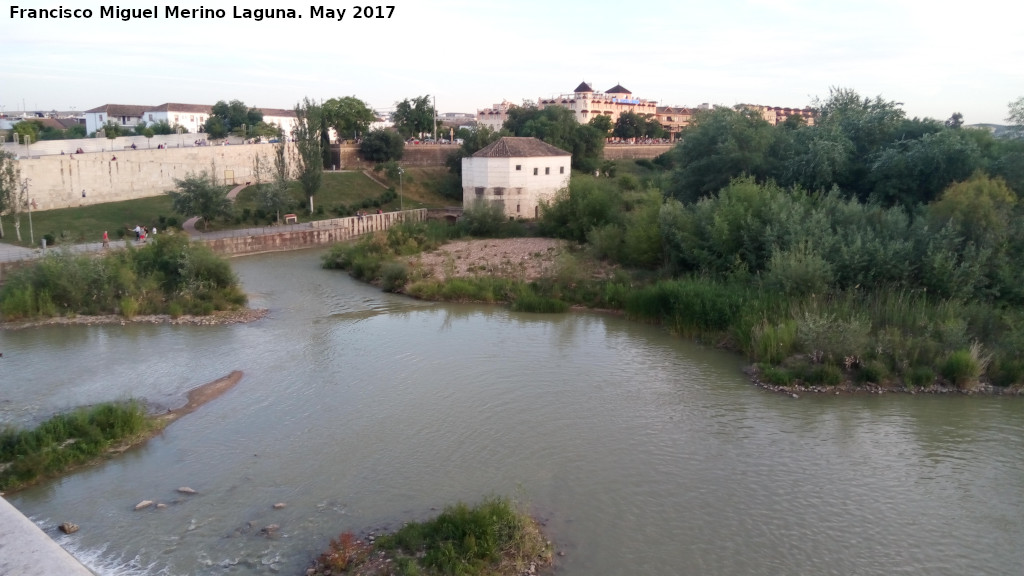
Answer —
(830, 339)
(530, 301)
(776, 375)
(394, 276)
(1007, 372)
(920, 376)
(963, 367)
(773, 342)
(872, 371)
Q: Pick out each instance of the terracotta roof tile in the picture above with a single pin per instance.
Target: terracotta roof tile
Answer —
(518, 147)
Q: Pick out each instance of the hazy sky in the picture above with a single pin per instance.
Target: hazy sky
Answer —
(936, 56)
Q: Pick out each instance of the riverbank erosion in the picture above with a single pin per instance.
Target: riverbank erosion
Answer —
(82, 437)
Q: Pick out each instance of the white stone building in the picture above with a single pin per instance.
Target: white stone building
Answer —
(191, 117)
(127, 115)
(516, 174)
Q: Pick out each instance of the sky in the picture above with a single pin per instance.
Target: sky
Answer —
(936, 57)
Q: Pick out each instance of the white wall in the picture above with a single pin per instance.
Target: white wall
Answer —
(519, 191)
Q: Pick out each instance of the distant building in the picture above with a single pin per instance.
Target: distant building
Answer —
(127, 115)
(191, 117)
(495, 116)
(776, 115)
(516, 174)
(673, 119)
(585, 103)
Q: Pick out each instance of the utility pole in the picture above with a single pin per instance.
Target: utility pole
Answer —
(434, 133)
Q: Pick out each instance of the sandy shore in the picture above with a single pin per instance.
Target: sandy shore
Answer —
(201, 395)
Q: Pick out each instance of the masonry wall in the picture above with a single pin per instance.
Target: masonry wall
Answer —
(309, 235)
(634, 151)
(58, 181)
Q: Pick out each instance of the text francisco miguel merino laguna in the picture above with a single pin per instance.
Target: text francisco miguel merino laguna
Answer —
(178, 12)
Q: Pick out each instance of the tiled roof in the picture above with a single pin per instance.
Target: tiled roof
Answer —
(618, 89)
(121, 110)
(583, 87)
(278, 112)
(517, 147)
(189, 108)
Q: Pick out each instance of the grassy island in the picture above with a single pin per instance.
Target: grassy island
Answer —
(168, 275)
(68, 440)
(492, 538)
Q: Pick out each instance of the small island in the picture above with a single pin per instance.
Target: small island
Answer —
(493, 538)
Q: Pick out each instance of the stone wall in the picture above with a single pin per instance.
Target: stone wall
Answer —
(317, 233)
(632, 152)
(58, 181)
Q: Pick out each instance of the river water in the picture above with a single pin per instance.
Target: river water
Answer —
(643, 453)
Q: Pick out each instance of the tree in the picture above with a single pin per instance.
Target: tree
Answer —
(349, 116)
(309, 162)
(76, 131)
(558, 126)
(382, 146)
(199, 195)
(629, 125)
(719, 145)
(955, 121)
(1016, 117)
(162, 128)
(10, 183)
(232, 116)
(27, 128)
(111, 130)
(413, 117)
(980, 208)
(602, 123)
(273, 195)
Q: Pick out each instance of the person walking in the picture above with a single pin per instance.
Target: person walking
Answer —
(106, 240)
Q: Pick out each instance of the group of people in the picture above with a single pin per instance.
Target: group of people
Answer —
(141, 233)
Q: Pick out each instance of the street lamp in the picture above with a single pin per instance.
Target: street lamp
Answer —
(401, 196)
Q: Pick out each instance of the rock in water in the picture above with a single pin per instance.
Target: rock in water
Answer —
(143, 504)
(69, 528)
(186, 490)
(279, 505)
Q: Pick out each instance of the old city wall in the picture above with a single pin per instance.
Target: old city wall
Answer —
(58, 181)
(634, 152)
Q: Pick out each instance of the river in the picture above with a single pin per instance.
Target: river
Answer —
(643, 453)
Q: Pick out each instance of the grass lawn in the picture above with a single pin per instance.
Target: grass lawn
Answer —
(87, 223)
(351, 189)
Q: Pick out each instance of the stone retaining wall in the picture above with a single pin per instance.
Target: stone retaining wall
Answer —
(308, 235)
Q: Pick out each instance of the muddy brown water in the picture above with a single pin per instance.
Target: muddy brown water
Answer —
(643, 453)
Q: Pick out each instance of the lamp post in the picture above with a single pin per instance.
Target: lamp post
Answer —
(401, 195)
(29, 203)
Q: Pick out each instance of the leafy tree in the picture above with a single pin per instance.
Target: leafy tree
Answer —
(653, 128)
(558, 126)
(10, 182)
(980, 208)
(955, 121)
(111, 130)
(349, 116)
(76, 131)
(1016, 117)
(413, 117)
(215, 128)
(720, 144)
(381, 146)
(602, 123)
(273, 194)
(27, 128)
(629, 125)
(917, 171)
(162, 128)
(199, 195)
(232, 115)
(309, 150)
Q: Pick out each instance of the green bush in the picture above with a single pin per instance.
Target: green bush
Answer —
(920, 376)
(963, 367)
(776, 375)
(529, 301)
(394, 276)
(872, 371)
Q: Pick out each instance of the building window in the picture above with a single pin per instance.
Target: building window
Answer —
(519, 167)
(175, 118)
(561, 169)
(499, 191)
(101, 117)
(517, 208)
(547, 171)
(534, 171)
(191, 118)
(479, 190)
(150, 117)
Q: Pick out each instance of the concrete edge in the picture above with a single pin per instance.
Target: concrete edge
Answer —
(27, 551)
